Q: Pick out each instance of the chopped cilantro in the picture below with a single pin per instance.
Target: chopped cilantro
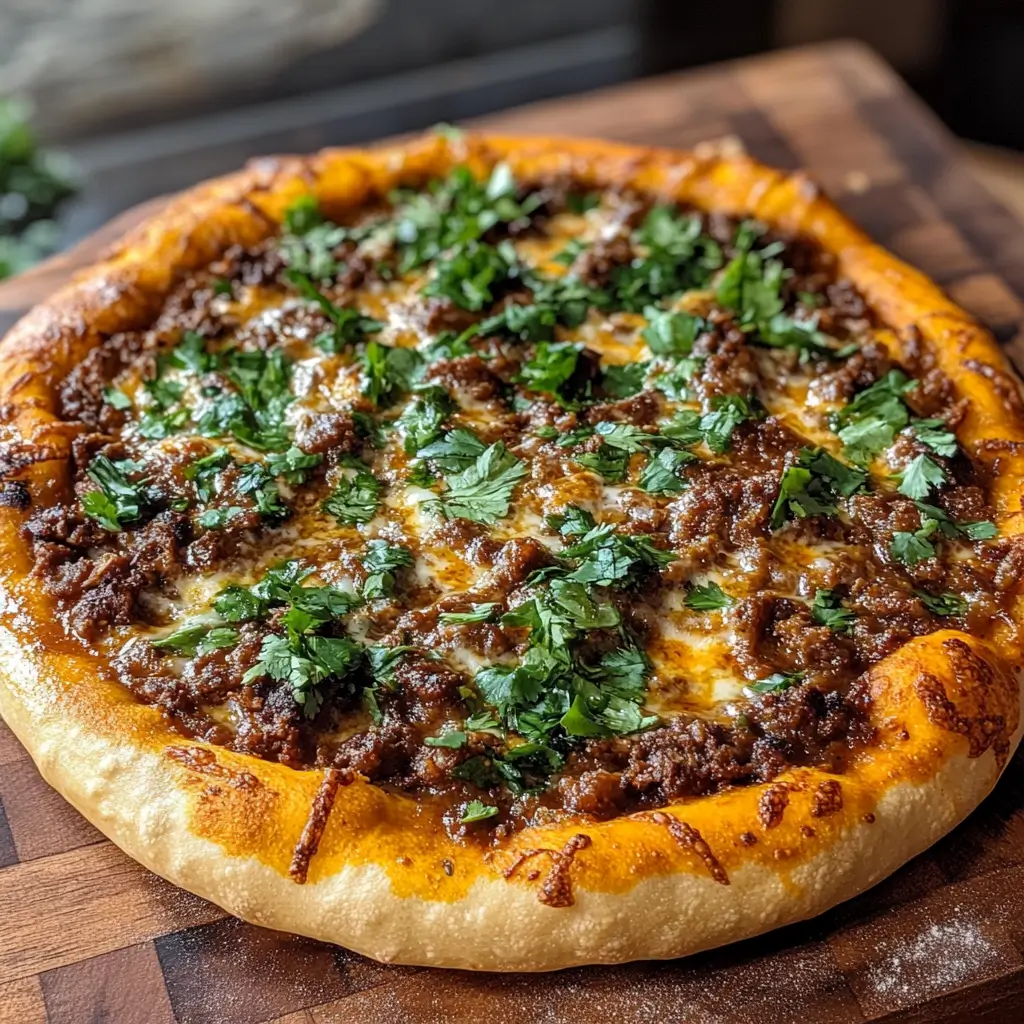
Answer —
(661, 474)
(480, 613)
(116, 399)
(198, 638)
(218, 518)
(625, 380)
(292, 465)
(387, 370)
(471, 275)
(919, 477)
(354, 499)
(477, 811)
(572, 521)
(119, 500)
(813, 486)
(423, 418)
(936, 435)
(869, 424)
(452, 740)
(911, 548)
(456, 451)
(727, 413)
(608, 558)
(671, 333)
(675, 381)
(707, 598)
(827, 610)
(381, 561)
(550, 367)
(482, 491)
(776, 683)
(942, 604)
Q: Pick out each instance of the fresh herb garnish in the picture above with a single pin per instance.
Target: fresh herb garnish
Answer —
(661, 474)
(869, 424)
(354, 499)
(381, 561)
(671, 333)
(480, 613)
(942, 605)
(813, 486)
(119, 500)
(776, 682)
(919, 476)
(709, 597)
(827, 610)
(483, 490)
(477, 811)
(387, 371)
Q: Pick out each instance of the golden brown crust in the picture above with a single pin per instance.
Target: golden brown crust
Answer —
(337, 858)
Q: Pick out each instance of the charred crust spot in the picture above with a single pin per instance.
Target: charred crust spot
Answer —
(687, 837)
(807, 832)
(316, 822)
(204, 762)
(1004, 386)
(556, 889)
(868, 819)
(448, 867)
(748, 839)
(772, 805)
(827, 799)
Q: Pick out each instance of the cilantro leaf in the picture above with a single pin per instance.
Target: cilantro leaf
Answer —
(707, 598)
(572, 521)
(661, 474)
(919, 477)
(911, 548)
(480, 613)
(936, 435)
(776, 683)
(477, 811)
(116, 399)
(551, 367)
(727, 413)
(608, 558)
(471, 275)
(387, 370)
(869, 424)
(813, 486)
(119, 500)
(381, 561)
(625, 380)
(671, 333)
(354, 500)
(422, 419)
(942, 605)
(827, 610)
(292, 465)
(482, 491)
(456, 451)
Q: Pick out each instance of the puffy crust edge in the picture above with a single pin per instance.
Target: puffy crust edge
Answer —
(385, 879)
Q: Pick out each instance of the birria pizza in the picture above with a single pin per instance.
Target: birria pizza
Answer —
(511, 553)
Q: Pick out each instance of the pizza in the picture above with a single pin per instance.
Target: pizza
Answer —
(511, 553)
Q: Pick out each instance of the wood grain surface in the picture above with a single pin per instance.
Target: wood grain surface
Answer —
(87, 935)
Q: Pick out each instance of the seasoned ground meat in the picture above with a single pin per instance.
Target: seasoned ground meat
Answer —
(492, 627)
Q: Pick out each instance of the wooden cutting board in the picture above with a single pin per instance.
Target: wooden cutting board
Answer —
(87, 935)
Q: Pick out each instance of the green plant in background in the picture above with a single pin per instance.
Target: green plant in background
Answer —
(33, 185)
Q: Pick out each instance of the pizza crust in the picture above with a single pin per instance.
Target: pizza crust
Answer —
(382, 881)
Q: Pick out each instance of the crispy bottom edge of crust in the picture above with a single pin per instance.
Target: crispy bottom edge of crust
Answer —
(116, 772)
(129, 793)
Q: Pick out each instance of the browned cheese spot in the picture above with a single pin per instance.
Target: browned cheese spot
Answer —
(827, 799)
(772, 805)
(690, 839)
(204, 762)
(556, 889)
(313, 830)
(984, 729)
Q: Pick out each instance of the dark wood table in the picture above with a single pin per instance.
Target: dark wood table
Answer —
(87, 935)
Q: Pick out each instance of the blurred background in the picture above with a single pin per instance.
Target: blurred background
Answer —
(145, 98)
